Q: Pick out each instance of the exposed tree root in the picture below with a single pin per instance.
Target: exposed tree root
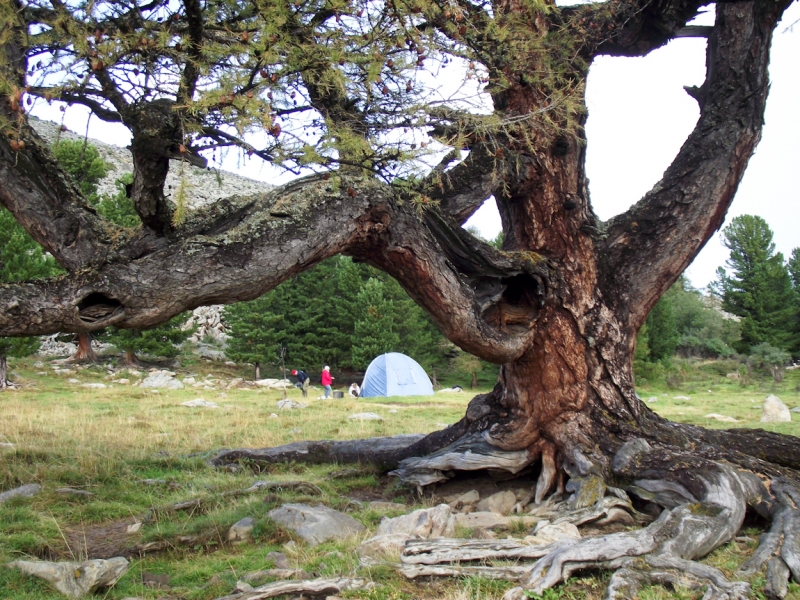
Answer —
(312, 588)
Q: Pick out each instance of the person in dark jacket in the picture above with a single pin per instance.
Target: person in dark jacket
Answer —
(302, 381)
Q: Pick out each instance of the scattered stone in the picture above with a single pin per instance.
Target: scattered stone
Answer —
(242, 588)
(723, 418)
(75, 579)
(164, 380)
(681, 397)
(392, 534)
(274, 384)
(652, 399)
(471, 497)
(316, 524)
(775, 411)
(491, 520)
(94, 386)
(273, 416)
(483, 534)
(73, 380)
(133, 527)
(189, 380)
(68, 491)
(242, 531)
(155, 581)
(796, 409)
(290, 404)
(38, 364)
(500, 503)
(547, 533)
(367, 416)
(279, 558)
(234, 383)
(123, 381)
(423, 523)
(380, 505)
(199, 403)
(393, 410)
(732, 376)
(24, 491)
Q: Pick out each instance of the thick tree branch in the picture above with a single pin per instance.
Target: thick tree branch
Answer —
(630, 27)
(651, 244)
(240, 248)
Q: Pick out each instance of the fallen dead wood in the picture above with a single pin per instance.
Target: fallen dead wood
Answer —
(314, 587)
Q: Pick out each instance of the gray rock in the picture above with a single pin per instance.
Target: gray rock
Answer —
(280, 559)
(94, 386)
(199, 403)
(500, 503)
(775, 411)
(471, 497)
(316, 524)
(681, 397)
(387, 546)
(68, 491)
(290, 405)
(366, 416)
(491, 520)
(423, 523)
(24, 491)
(796, 409)
(723, 418)
(161, 380)
(75, 579)
(547, 533)
(652, 399)
(242, 531)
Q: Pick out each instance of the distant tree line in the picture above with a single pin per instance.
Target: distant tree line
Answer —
(341, 313)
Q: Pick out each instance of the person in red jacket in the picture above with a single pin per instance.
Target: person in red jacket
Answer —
(326, 381)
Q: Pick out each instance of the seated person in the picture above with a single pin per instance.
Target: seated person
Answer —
(354, 390)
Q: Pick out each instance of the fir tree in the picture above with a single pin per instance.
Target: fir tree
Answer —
(159, 342)
(758, 288)
(373, 333)
(252, 337)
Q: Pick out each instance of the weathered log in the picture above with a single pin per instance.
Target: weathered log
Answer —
(314, 587)
(380, 451)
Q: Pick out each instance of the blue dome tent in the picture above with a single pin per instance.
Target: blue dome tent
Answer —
(395, 374)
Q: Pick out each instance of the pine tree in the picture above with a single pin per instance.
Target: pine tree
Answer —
(759, 287)
(21, 258)
(373, 333)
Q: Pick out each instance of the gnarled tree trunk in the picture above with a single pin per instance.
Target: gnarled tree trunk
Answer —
(558, 307)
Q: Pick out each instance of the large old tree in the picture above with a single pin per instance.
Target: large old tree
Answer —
(339, 87)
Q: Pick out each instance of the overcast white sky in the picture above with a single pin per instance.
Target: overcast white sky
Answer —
(639, 115)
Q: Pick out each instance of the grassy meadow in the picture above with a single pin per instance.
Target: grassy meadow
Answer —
(138, 452)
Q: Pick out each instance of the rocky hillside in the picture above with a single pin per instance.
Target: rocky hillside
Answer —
(205, 185)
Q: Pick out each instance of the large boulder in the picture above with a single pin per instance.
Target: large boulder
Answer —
(24, 491)
(163, 380)
(75, 579)
(316, 524)
(500, 503)
(393, 534)
(775, 411)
